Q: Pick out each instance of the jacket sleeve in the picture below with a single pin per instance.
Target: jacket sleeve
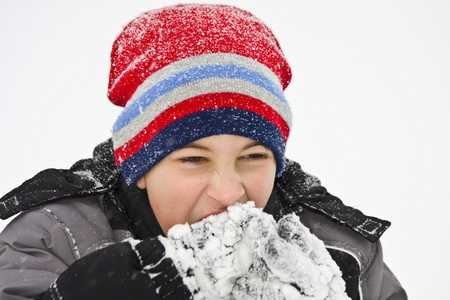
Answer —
(33, 252)
(391, 289)
(377, 280)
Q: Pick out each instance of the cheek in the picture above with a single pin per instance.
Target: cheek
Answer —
(259, 188)
(173, 201)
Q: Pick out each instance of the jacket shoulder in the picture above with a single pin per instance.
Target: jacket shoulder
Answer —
(351, 238)
(92, 176)
(300, 190)
(77, 226)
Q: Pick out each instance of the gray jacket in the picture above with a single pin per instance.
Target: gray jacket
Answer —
(84, 211)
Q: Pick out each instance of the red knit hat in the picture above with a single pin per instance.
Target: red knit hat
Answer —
(185, 72)
(160, 37)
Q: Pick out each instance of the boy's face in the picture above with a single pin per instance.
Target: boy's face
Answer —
(206, 176)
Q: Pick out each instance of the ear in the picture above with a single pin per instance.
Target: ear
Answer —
(141, 183)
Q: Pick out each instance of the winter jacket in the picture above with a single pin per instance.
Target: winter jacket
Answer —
(68, 214)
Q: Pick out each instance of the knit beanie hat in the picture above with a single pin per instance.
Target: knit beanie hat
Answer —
(189, 71)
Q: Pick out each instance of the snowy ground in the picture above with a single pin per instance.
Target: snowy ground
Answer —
(370, 95)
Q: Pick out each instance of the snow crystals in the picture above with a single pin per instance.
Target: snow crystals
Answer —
(245, 254)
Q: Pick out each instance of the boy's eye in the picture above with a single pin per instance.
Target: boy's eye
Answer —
(255, 156)
(193, 159)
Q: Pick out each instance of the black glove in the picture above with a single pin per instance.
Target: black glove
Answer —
(117, 272)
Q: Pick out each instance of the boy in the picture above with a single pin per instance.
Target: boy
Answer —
(204, 126)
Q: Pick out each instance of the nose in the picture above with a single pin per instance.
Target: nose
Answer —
(226, 188)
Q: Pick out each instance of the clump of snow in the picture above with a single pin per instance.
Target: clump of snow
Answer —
(245, 254)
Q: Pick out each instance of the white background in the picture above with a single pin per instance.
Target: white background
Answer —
(370, 95)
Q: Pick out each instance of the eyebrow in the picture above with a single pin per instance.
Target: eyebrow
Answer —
(195, 145)
(253, 144)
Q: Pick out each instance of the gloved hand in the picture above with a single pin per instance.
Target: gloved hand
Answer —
(135, 270)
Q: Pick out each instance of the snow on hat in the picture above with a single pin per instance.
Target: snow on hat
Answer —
(185, 72)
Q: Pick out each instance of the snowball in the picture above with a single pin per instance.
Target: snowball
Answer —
(244, 253)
